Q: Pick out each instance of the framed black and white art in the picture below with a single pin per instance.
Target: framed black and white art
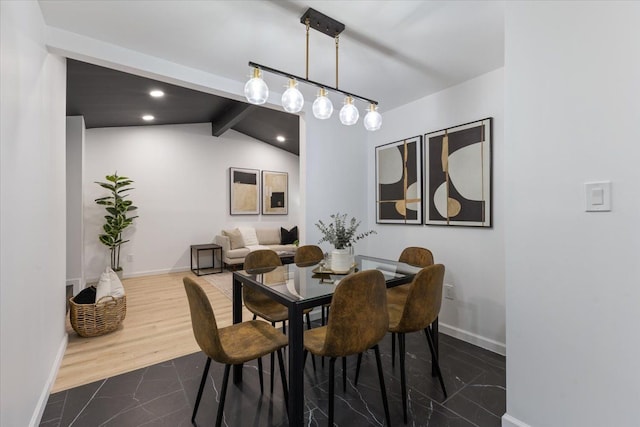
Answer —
(399, 182)
(275, 193)
(458, 175)
(244, 191)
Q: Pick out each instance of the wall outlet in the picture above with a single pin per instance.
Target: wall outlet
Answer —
(449, 292)
(130, 258)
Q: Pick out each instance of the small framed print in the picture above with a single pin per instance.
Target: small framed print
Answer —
(244, 191)
(275, 193)
(458, 178)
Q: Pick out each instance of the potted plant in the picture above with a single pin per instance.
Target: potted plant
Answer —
(117, 219)
(342, 235)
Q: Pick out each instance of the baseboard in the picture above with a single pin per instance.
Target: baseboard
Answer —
(95, 280)
(46, 391)
(509, 421)
(475, 339)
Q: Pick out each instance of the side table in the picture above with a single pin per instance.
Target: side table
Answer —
(216, 259)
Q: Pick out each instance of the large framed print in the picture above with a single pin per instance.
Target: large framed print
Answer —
(399, 182)
(458, 176)
(244, 193)
(275, 193)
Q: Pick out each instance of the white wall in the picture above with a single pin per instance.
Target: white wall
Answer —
(334, 168)
(473, 257)
(75, 202)
(181, 188)
(32, 212)
(572, 116)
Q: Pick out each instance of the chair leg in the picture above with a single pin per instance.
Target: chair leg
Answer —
(436, 364)
(344, 374)
(383, 389)
(313, 358)
(283, 378)
(403, 375)
(202, 383)
(272, 361)
(332, 368)
(260, 375)
(393, 349)
(358, 368)
(223, 395)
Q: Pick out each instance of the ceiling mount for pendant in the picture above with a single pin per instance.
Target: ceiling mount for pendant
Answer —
(256, 90)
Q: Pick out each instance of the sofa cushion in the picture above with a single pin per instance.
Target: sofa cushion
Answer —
(237, 253)
(288, 237)
(268, 236)
(249, 236)
(235, 238)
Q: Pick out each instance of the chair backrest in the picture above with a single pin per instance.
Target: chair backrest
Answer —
(424, 299)
(261, 261)
(416, 256)
(308, 255)
(359, 317)
(203, 321)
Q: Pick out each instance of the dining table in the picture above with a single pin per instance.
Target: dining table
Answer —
(300, 288)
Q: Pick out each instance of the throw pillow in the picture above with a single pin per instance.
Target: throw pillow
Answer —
(86, 296)
(117, 290)
(103, 288)
(288, 237)
(235, 238)
(268, 236)
(249, 236)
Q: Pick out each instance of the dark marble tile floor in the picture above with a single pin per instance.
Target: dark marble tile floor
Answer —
(164, 394)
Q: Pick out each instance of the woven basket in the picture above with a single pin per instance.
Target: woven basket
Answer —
(92, 320)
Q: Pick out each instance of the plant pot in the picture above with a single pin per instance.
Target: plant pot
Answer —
(341, 260)
(119, 273)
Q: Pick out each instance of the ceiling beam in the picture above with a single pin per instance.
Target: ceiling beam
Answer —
(230, 117)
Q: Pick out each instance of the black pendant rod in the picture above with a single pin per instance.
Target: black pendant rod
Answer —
(311, 82)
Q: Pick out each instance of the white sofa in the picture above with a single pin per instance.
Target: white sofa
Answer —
(234, 248)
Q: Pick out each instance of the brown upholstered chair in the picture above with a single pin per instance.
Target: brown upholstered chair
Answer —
(418, 257)
(359, 320)
(420, 308)
(260, 304)
(231, 345)
(308, 255)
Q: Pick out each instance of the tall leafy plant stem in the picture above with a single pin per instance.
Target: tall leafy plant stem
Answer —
(117, 219)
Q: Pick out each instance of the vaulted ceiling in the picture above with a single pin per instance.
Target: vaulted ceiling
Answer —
(392, 51)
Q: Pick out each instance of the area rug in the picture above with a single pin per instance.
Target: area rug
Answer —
(222, 282)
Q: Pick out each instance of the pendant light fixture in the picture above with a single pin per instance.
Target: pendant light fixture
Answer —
(292, 99)
(373, 119)
(349, 113)
(322, 106)
(256, 90)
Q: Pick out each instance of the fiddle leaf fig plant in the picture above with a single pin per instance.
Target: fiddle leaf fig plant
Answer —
(117, 219)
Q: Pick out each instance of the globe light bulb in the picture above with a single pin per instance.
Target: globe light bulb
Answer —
(373, 119)
(256, 90)
(292, 99)
(322, 106)
(349, 113)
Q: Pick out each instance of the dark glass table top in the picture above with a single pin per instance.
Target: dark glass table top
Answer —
(297, 284)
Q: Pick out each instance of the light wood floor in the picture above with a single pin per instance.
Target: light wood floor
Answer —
(157, 328)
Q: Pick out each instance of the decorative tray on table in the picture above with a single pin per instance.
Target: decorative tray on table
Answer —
(324, 270)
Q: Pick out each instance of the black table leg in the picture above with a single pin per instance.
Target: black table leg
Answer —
(296, 366)
(434, 334)
(237, 318)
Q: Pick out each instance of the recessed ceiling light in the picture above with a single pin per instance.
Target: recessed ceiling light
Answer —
(147, 117)
(280, 138)
(156, 93)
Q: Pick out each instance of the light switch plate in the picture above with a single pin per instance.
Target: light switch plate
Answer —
(598, 196)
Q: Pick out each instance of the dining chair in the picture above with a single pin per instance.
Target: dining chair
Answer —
(231, 345)
(359, 320)
(416, 313)
(417, 257)
(308, 255)
(259, 262)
